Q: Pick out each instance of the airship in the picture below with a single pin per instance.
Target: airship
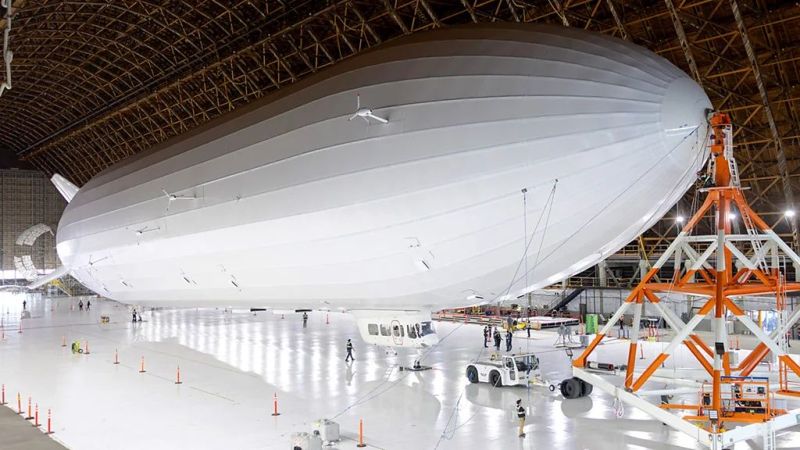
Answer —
(460, 166)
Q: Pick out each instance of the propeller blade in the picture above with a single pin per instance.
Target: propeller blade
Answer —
(379, 119)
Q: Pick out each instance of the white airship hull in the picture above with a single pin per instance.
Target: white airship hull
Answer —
(289, 204)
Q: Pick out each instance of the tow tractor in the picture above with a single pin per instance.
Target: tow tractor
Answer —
(523, 369)
(504, 370)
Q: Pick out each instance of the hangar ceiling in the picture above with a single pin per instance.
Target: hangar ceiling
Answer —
(97, 81)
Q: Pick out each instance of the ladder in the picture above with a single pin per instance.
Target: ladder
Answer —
(783, 315)
(755, 241)
(728, 153)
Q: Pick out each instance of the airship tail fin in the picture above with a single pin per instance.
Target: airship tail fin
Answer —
(54, 275)
(65, 187)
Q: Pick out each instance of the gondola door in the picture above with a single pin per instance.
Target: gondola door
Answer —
(397, 333)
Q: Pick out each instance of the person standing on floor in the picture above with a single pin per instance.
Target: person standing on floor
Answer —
(349, 356)
(520, 410)
(528, 327)
(88, 305)
(497, 339)
(305, 319)
(24, 304)
(486, 336)
(509, 336)
(80, 305)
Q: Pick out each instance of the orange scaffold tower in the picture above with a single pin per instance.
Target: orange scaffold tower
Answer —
(720, 268)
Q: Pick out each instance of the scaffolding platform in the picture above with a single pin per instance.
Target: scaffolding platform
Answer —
(721, 268)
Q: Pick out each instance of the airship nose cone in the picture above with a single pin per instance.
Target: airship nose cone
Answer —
(684, 110)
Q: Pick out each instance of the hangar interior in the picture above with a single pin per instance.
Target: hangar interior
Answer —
(91, 85)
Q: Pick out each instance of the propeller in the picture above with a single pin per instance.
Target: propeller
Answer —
(365, 113)
(146, 229)
(172, 197)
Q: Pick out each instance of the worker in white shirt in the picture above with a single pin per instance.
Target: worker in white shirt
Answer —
(521, 416)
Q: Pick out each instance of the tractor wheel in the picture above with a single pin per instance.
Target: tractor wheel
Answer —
(586, 388)
(571, 388)
(495, 379)
(472, 374)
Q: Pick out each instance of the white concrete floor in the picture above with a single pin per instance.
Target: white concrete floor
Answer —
(233, 363)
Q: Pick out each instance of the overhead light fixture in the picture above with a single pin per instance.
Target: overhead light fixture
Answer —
(789, 213)
(680, 219)
(731, 216)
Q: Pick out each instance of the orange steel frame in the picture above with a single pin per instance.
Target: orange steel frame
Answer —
(739, 417)
(718, 286)
(784, 383)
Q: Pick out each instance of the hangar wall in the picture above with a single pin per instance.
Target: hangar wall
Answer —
(27, 198)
